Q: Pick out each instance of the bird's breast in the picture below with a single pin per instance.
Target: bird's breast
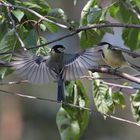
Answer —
(115, 59)
(56, 62)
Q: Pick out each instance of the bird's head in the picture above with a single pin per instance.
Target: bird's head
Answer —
(58, 49)
(105, 45)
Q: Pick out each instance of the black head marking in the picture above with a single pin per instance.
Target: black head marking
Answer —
(58, 48)
(104, 43)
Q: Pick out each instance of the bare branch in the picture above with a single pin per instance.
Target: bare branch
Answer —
(111, 84)
(116, 73)
(13, 82)
(71, 105)
(122, 120)
(88, 77)
(84, 28)
(120, 86)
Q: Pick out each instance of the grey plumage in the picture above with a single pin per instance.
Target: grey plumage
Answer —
(58, 66)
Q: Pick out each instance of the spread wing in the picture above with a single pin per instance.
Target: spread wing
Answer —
(33, 68)
(78, 64)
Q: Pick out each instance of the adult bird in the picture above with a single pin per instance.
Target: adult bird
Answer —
(57, 66)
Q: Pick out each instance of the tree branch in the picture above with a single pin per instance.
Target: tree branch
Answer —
(116, 73)
(75, 31)
(84, 28)
(35, 13)
(122, 120)
(111, 84)
(69, 104)
(13, 82)
(88, 77)
(120, 86)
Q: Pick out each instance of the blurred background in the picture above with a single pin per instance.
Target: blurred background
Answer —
(28, 119)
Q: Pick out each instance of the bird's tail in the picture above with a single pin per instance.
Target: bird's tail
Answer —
(137, 68)
(60, 94)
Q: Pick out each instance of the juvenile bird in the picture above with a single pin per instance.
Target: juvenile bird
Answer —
(113, 56)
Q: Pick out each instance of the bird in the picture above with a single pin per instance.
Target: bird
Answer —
(58, 66)
(113, 56)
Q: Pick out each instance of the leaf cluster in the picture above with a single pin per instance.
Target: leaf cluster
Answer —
(73, 121)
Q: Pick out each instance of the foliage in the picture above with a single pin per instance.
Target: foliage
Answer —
(135, 105)
(72, 121)
(105, 99)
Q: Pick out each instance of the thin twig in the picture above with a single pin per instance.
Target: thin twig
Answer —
(35, 13)
(89, 77)
(71, 105)
(110, 84)
(84, 28)
(122, 120)
(13, 82)
(120, 86)
(14, 27)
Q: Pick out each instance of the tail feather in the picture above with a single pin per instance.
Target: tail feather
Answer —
(137, 68)
(60, 94)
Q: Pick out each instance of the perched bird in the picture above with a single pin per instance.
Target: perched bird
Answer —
(113, 56)
(57, 66)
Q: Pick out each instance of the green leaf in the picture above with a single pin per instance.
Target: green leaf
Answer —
(94, 15)
(32, 5)
(57, 13)
(68, 128)
(42, 27)
(124, 12)
(50, 26)
(118, 99)
(138, 3)
(3, 28)
(131, 38)
(72, 121)
(31, 40)
(7, 43)
(18, 14)
(121, 11)
(113, 10)
(107, 29)
(85, 11)
(102, 96)
(37, 4)
(89, 38)
(90, 14)
(135, 105)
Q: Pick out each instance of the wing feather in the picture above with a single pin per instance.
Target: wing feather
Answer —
(33, 68)
(78, 65)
